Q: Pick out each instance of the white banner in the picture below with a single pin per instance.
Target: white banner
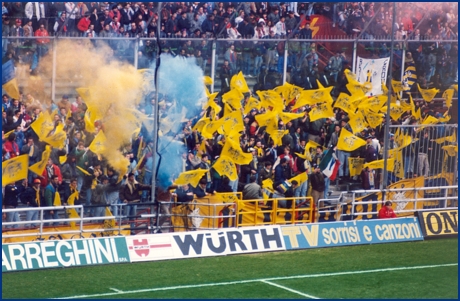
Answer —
(376, 69)
(224, 241)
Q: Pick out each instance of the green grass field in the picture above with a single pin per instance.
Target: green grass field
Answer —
(416, 270)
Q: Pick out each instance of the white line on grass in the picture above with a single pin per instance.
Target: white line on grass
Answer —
(258, 280)
(290, 289)
(116, 290)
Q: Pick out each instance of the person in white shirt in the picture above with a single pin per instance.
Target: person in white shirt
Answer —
(281, 26)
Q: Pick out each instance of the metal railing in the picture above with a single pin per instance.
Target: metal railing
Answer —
(446, 199)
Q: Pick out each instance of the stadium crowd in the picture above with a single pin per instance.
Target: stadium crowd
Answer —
(97, 182)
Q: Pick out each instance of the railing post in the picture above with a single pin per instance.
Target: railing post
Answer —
(53, 76)
(213, 65)
(355, 50)
(285, 61)
(136, 52)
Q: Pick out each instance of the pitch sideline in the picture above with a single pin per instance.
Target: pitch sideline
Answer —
(264, 280)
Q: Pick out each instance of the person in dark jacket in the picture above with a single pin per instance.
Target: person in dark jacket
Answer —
(184, 194)
(318, 184)
(51, 192)
(130, 194)
(32, 198)
(10, 201)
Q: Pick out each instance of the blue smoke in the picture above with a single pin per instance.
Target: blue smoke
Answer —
(181, 82)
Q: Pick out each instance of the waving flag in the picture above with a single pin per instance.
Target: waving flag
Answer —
(355, 165)
(39, 167)
(15, 169)
(233, 151)
(238, 82)
(233, 98)
(344, 102)
(9, 82)
(428, 94)
(311, 97)
(191, 177)
(226, 167)
(98, 145)
(58, 138)
(42, 125)
(252, 103)
(349, 142)
(357, 122)
(321, 110)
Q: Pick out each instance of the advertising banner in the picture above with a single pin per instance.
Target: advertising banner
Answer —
(63, 253)
(357, 232)
(373, 70)
(438, 223)
(204, 243)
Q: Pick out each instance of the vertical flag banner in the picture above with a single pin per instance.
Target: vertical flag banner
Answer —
(9, 82)
(373, 70)
(409, 78)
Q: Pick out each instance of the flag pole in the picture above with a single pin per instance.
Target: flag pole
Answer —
(387, 117)
(156, 108)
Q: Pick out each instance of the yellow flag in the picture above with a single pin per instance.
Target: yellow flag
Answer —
(451, 138)
(451, 150)
(396, 154)
(62, 159)
(58, 138)
(355, 165)
(201, 123)
(374, 119)
(357, 122)
(57, 199)
(321, 110)
(354, 87)
(289, 92)
(271, 99)
(207, 80)
(97, 146)
(252, 103)
(15, 169)
(428, 94)
(42, 125)
(396, 110)
(139, 149)
(397, 86)
(418, 114)
(191, 177)
(444, 118)
(210, 128)
(5, 136)
(349, 142)
(72, 197)
(300, 178)
(430, 120)
(238, 82)
(378, 164)
(344, 102)
(311, 97)
(373, 103)
(85, 94)
(233, 98)
(277, 136)
(83, 171)
(286, 117)
(266, 118)
(39, 167)
(233, 151)
(72, 213)
(91, 115)
(11, 88)
(226, 167)
(233, 121)
(267, 183)
(108, 223)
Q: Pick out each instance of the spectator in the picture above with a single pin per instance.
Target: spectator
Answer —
(51, 192)
(386, 211)
(318, 185)
(252, 190)
(10, 201)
